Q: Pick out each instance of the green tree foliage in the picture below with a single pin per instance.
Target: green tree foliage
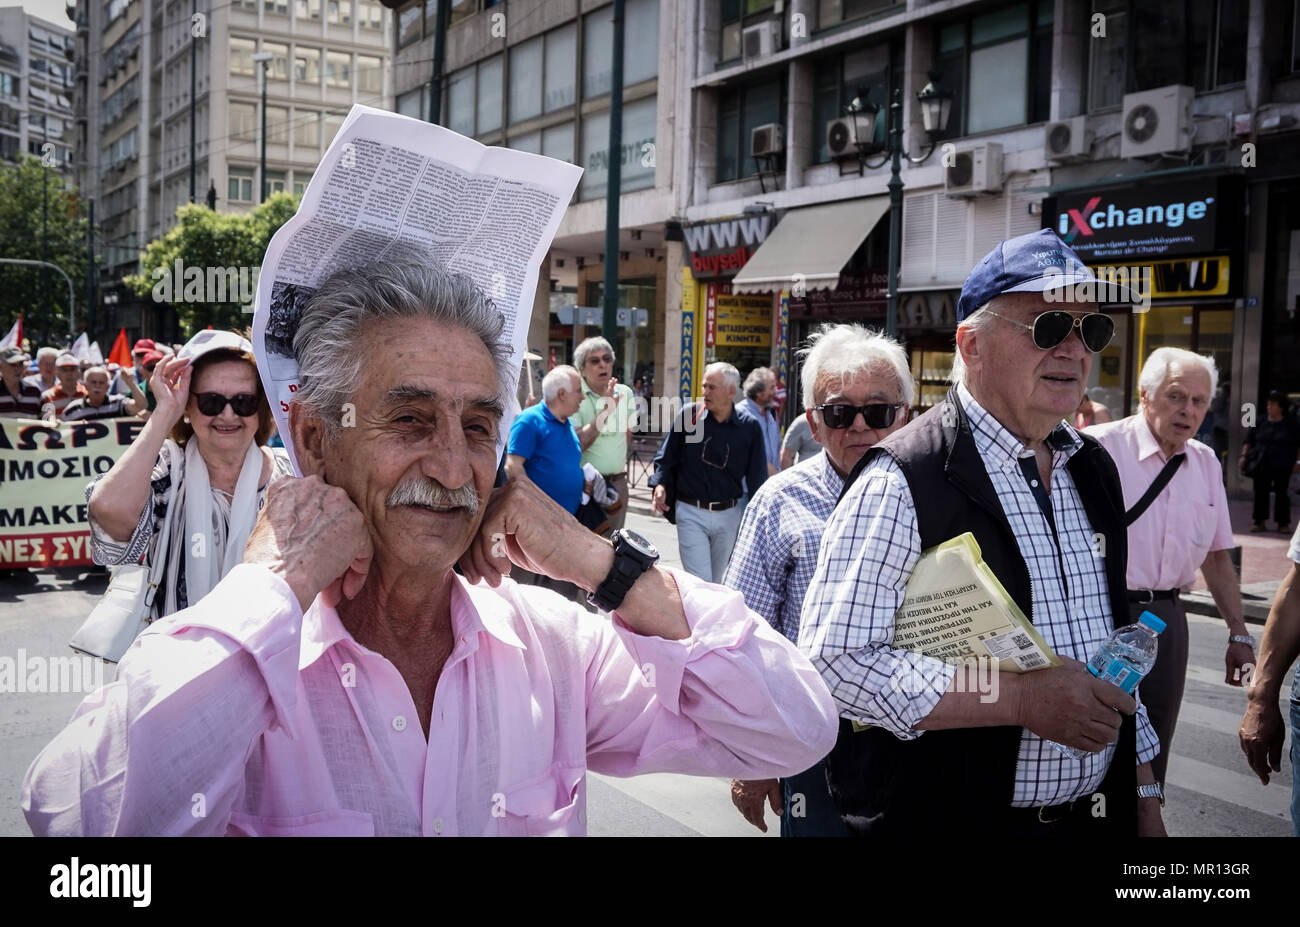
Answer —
(41, 295)
(220, 255)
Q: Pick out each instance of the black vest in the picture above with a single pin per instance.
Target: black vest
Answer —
(886, 786)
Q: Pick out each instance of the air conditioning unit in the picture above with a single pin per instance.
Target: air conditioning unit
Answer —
(975, 170)
(1067, 140)
(760, 40)
(1157, 122)
(847, 136)
(767, 140)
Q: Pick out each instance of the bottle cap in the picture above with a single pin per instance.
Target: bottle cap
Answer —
(1152, 622)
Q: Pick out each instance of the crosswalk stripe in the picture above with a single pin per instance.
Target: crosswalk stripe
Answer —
(1236, 788)
(700, 803)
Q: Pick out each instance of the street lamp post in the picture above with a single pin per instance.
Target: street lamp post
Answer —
(936, 104)
(265, 59)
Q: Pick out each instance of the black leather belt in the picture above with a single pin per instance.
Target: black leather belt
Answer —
(1145, 596)
(1048, 815)
(709, 506)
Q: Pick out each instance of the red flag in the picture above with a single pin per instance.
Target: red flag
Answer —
(121, 352)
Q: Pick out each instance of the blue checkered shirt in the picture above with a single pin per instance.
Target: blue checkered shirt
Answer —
(868, 552)
(776, 552)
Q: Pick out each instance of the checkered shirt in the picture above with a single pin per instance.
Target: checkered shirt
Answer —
(776, 552)
(872, 544)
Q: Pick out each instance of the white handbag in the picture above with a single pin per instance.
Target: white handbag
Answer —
(125, 609)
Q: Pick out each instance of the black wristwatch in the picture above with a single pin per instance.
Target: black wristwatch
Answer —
(633, 555)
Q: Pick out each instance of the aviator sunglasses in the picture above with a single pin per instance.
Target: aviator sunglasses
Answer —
(1051, 328)
(841, 415)
(243, 404)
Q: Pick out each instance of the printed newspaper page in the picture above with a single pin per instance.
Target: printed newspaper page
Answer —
(956, 610)
(392, 182)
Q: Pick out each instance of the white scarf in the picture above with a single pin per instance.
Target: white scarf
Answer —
(209, 556)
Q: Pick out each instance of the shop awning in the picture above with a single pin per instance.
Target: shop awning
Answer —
(815, 242)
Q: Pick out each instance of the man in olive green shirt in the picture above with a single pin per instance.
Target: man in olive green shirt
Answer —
(604, 420)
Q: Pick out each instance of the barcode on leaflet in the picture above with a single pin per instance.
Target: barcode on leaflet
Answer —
(1031, 660)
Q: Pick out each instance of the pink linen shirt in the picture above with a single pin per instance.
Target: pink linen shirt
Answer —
(242, 716)
(1168, 544)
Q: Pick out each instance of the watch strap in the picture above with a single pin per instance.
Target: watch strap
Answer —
(1151, 790)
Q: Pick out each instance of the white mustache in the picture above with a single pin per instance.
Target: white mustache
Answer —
(431, 493)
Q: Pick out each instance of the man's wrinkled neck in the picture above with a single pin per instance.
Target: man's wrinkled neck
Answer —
(1030, 430)
(397, 604)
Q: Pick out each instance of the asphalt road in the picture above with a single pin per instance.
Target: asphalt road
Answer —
(1210, 791)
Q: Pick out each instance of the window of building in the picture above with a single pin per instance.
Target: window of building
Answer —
(274, 182)
(370, 15)
(306, 129)
(239, 185)
(339, 12)
(557, 142)
(560, 82)
(831, 13)
(998, 66)
(408, 25)
(241, 55)
(640, 46)
(1154, 43)
(530, 142)
(411, 103)
(306, 65)
(838, 80)
(332, 123)
(300, 181)
(740, 111)
(279, 63)
(636, 156)
(277, 125)
(370, 74)
(338, 69)
(460, 101)
(243, 122)
(490, 75)
(526, 82)
(736, 15)
(461, 9)
(278, 7)
(306, 9)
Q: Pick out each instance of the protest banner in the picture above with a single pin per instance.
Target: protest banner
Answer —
(44, 470)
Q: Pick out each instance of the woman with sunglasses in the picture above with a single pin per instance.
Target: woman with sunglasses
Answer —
(202, 452)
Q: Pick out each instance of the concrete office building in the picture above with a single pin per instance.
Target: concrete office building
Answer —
(136, 57)
(36, 81)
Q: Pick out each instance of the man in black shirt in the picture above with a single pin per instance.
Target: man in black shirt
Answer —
(702, 465)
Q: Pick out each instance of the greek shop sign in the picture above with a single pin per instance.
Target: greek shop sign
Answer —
(1145, 222)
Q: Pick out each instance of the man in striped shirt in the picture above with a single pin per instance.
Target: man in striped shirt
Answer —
(97, 403)
(68, 372)
(857, 389)
(1045, 506)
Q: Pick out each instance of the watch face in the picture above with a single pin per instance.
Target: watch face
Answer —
(639, 544)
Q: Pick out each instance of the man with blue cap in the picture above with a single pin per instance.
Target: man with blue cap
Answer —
(995, 458)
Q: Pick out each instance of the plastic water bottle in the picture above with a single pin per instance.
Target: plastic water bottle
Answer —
(1127, 656)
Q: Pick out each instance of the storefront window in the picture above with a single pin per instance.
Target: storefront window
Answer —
(635, 346)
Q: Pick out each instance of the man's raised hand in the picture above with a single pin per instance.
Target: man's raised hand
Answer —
(311, 535)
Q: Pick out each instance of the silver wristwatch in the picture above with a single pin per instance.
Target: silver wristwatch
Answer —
(1246, 639)
(1152, 790)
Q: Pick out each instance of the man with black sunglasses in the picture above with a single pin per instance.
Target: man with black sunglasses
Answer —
(705, 461)
(997, 459)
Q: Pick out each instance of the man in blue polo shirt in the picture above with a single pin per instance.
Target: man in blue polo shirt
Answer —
(544, 448)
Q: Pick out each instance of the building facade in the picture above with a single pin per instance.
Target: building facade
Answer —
(135, 55)
(36, 87)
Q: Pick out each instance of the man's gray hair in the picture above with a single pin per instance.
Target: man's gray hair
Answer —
(729, 373)
(561, 377)
(978, 321)
(844, 351)
(94, 369)
(399, 287)
(758, 380)
(586, 346)
(47, 352)
(1156, 369)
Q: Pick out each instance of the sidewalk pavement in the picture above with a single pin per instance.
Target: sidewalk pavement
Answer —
(1263, 560)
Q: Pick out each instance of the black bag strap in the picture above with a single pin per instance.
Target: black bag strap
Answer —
(1161, 481)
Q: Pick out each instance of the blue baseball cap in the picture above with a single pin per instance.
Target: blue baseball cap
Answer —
(1035, 263)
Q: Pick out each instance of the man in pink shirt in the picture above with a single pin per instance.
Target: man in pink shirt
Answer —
(1185, 525)
(344, 680)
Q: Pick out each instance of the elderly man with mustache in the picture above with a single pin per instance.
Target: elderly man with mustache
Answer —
(344, 680)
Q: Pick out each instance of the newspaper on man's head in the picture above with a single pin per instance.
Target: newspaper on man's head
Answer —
(390, 183)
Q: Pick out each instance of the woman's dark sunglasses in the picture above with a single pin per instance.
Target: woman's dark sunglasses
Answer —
(213, 404)
(1051, 328)
(842, 415)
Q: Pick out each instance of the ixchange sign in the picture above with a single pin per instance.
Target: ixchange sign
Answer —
(44, 470)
